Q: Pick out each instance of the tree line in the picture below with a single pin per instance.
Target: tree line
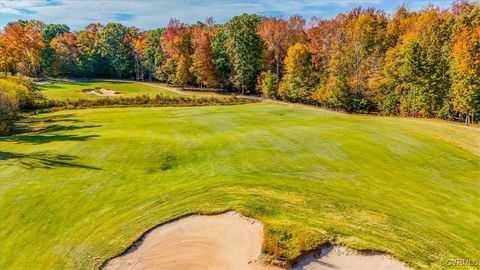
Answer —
(422, 63)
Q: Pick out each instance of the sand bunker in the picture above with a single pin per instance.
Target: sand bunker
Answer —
(102, 92)
(226, 241)
(229, 241)
(338, 257)
(40, 83)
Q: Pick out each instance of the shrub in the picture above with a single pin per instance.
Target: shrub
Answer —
(157, 101)
(360, 104)
(16, 93)
(391, 104)
(270, 85)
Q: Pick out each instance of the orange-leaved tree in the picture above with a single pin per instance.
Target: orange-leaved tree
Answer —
(66, 54)
(21, 44)
(202, 58)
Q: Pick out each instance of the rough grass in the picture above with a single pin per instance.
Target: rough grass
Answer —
(73, 90)
(87, 183)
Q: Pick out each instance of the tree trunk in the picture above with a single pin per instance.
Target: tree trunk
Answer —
(137, 69)
(278, 70)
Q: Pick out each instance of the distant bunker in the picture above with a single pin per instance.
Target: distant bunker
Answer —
(102, 92)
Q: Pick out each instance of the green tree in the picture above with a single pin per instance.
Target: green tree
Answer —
(111, 43)
(49, 33)
(245, 48)
(342, 93)
(89, 59)
(152, 51)
(220, 57)
(270, 85)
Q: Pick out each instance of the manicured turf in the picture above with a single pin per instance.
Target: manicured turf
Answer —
(87, 183)
(73, 90)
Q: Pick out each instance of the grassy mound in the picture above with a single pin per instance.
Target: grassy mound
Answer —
(86, 184)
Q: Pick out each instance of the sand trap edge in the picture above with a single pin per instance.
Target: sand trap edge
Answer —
(325, 248)
(132, 247)
(262, 260)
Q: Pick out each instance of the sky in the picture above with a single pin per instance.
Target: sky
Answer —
(149, 14)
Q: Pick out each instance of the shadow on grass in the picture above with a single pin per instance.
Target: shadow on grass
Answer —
(50, 86)
(117, 82)
(44, 160)
(41, 139)
(57, 128)
(46, 129)
(28, 133)
(69, 118)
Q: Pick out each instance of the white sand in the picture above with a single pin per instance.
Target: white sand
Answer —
(338, 257)
(42, 83)
(229, 241)
(226, 241)
(103, 92)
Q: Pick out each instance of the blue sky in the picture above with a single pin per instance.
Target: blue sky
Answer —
(148, 14)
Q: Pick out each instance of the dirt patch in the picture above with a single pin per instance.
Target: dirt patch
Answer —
(338, 257)
(102, 92)
(226, 241)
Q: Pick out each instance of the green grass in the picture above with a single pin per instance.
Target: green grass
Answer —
(73, 90)
(87, 183)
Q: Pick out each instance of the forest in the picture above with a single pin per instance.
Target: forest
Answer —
(422, 63)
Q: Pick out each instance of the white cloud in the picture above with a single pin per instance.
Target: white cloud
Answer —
(156, 13)
(18, 4)
(7, 10)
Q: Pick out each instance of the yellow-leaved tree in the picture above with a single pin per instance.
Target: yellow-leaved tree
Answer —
(465, 91)
(297, 85)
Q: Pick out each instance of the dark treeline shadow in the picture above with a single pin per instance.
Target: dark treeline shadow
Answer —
(54, 86)
(28, 133)
(44, 160)
(56, 128)
(41, 139)
(26, 123)
(118, 82)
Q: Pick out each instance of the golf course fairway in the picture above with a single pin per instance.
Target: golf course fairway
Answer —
(85, 184)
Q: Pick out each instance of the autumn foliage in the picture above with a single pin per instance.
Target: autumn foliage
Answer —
(423, 63)
(21, 44)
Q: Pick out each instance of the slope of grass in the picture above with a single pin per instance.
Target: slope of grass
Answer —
(73, 90)
(87, 183)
